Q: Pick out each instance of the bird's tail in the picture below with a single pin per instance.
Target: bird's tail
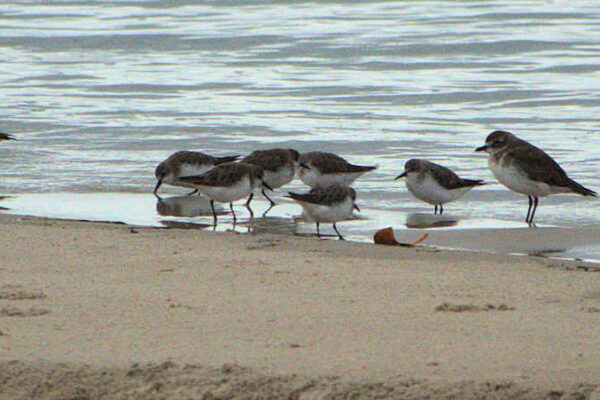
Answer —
(360, 168)
(473, 182)
(579, 189)
(221, 160)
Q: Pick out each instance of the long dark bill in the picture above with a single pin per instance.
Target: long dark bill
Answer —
(157, 186)
(265, 184)
(402, 175)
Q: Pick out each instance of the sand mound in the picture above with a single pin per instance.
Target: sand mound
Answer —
(170, 381)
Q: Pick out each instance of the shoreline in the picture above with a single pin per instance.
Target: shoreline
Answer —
(109, 295)
(450, 231)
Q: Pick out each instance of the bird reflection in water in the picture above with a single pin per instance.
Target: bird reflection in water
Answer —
(424, 221)
(185, 206)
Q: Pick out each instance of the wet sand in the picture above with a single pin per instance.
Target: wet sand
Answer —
(88, 309)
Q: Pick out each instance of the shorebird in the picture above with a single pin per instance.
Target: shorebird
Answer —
(186, 163)
(6, 136)
(330, 203)
(279, 166)
(320, 168)
(526, 169)
(434, 183)
(227, 183)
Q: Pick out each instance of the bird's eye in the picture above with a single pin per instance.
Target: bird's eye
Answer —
(498, 143)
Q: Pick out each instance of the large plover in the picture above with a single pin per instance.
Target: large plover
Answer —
(320, 169)
(330, 203)
(186, 163)
(227, 183)
(279, 166)
(6, 136)
(434, 183)
(526, 169)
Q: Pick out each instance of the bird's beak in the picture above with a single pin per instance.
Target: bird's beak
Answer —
(157, 186)
(355, 207)
(265, 184)
(402, 175)
(482, 148)
(303, 165)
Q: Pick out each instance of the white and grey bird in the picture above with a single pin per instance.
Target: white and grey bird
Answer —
(317, 168)
(330, 203)
(6, 136)
(279, 166)
(527, 169)
(186, 163)
(227, 183)
(434, 183)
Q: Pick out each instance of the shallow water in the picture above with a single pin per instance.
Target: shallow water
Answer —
(99, 92)
(448, 231)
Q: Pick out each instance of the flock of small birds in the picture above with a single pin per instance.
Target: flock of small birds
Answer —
(227, 179)
(517, 164)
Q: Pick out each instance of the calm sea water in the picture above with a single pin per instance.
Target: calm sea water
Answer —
(99, 92)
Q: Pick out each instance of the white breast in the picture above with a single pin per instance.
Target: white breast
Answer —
(516, 180)
(279, 178)
(336, 212)
(227, 194)
(313, 177)
(430, 191)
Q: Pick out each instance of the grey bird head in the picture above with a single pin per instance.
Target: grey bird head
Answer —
(497, 141)
(161, 171)
(413, 165)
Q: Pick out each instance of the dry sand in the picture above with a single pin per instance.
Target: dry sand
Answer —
(92, 310)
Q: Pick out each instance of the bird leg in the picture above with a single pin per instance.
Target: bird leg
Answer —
(535, 204)
(232, 212)
(212, 206)
(338, 232)
(268, 198)
(529, 209)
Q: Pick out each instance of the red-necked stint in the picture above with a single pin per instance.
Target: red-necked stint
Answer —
(434, 183)
(227, 183)
(320, 169)
(330, 203)
(526, 169)
(6, 136)
(186, 163)
(279, 166)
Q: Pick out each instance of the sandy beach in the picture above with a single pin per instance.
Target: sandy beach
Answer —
(96, 310)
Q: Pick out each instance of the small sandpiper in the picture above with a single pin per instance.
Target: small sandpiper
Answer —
(279, 166)
(6, 136)
(330, 203)
(434, 183)
(321, 169)
(526, 169)
(227, 183)
(186, 163)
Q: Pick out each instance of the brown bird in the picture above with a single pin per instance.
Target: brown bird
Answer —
(279, 166)
(526, 169)
(186, 163)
